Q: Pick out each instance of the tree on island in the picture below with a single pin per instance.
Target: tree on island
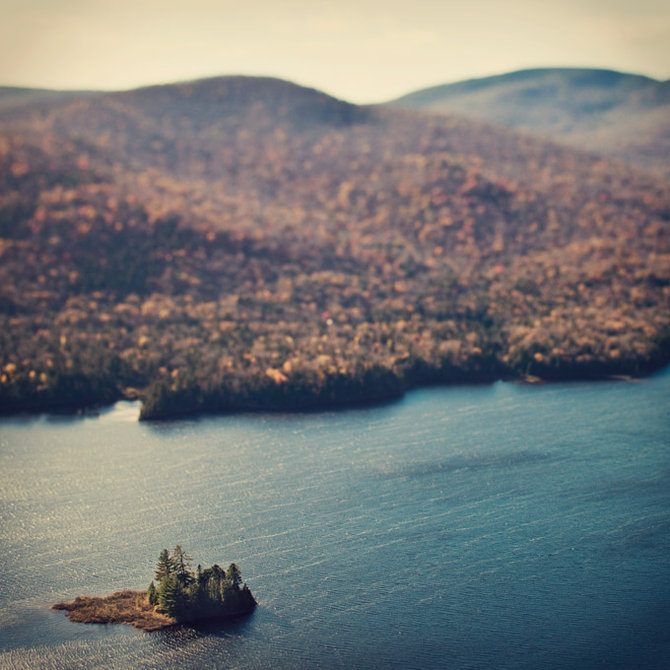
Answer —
(182, 564)
(234, 575)
(164, 566)
(152, 594)
(187, 596)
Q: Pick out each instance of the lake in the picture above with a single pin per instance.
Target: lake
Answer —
(493, 526)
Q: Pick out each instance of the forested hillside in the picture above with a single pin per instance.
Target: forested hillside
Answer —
(243, 243)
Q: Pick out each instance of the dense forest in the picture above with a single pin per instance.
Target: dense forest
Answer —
(243, 243)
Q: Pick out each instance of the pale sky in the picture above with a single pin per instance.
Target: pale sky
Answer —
(360, 50)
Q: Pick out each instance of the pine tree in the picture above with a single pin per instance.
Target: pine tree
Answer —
(181, 564)
(171, 596)
(152, 594)
(234, 575)
(165, 566)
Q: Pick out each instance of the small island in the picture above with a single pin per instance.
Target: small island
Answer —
(177, 596)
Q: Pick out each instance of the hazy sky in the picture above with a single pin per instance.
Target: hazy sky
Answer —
(361, 50)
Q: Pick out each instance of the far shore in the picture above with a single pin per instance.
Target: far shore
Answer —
(184, 411)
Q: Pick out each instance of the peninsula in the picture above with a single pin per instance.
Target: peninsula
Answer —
(178, 596)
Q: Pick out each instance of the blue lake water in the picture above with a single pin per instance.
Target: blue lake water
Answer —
(496, 526)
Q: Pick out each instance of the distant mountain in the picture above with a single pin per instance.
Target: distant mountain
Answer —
(192, 106)
(12, 96)
(622, 115)
(209, 101)
(245, 243)
(177, 127)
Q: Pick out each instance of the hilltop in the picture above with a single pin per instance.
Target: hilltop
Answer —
(618, 114)
(16, 96)
(247, 243)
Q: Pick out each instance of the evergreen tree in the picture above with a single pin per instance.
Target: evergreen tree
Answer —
(152, 594)
(181, 564)
(234, 575)
(171, 597)
(164, 566)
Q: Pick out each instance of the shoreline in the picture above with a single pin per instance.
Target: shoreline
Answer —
(130, 608)
(127, 607)
(333, 404)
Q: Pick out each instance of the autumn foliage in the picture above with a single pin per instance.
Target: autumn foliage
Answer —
(247, 244)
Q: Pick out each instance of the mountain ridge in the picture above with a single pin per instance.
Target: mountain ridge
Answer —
(584, 76)
(622, 115)
(224, 89)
